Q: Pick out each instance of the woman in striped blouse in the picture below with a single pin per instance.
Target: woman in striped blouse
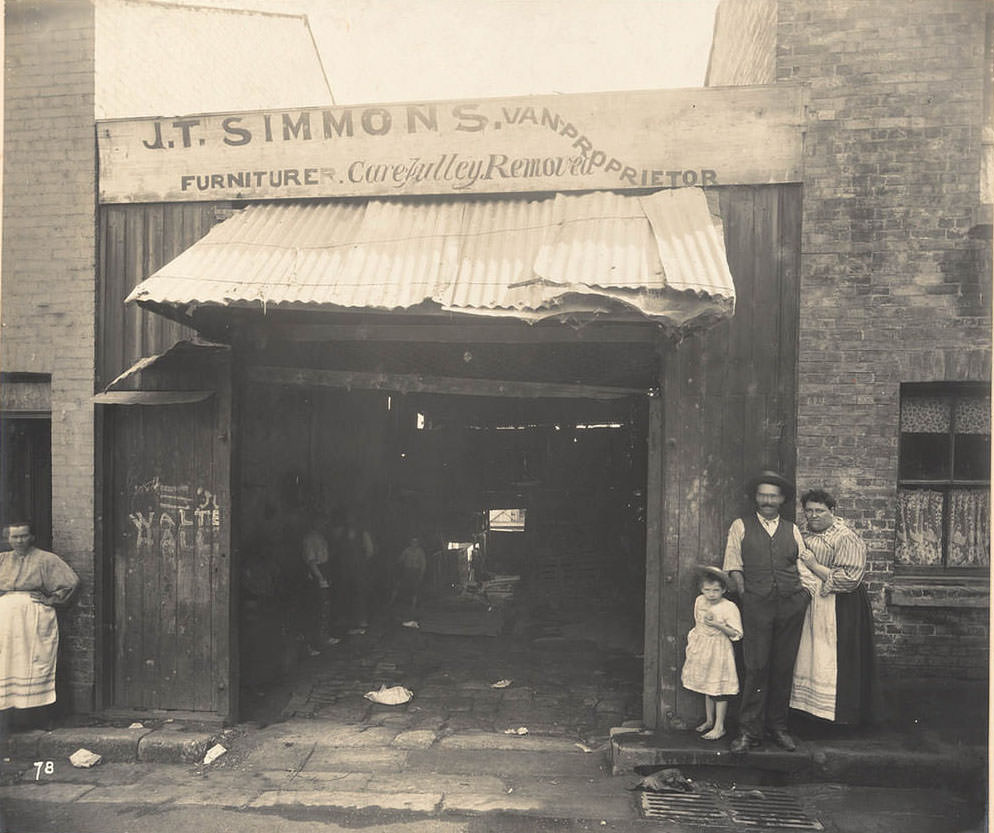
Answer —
(834, 672)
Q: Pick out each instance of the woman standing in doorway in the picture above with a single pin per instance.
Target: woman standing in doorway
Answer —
(32, 583)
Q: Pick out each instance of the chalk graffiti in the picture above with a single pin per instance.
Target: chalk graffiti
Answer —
(173, 518)
(143, 526)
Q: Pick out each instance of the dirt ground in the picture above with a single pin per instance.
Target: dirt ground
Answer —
(572, 673)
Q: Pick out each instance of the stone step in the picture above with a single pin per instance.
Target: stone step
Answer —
(171, 743)
(872, 762)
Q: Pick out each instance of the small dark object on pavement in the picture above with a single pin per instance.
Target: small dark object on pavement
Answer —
(665, 780)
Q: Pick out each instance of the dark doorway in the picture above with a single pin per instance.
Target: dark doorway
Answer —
(26, 474)
(530, 512)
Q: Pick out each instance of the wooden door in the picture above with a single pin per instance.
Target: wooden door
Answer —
(171, 557)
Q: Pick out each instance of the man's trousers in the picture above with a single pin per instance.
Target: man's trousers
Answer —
(771, 633)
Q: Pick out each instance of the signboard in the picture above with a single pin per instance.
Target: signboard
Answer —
(600, 141)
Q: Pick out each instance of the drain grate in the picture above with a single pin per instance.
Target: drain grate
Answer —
(769, 808)
(754, 809)
(690, 808)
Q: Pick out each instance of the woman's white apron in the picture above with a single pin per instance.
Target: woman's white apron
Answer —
(29, 644)
(816, 669)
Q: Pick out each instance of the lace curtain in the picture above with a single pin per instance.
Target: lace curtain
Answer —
(919, 527)
(969, 528)
(920, 522)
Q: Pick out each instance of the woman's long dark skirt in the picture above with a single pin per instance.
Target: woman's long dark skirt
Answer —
(856, 681)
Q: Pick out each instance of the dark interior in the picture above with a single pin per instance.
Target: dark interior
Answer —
(530, 512)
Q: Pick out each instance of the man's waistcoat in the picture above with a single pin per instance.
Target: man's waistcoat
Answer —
(769, 564)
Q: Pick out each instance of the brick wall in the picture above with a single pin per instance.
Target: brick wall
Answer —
(894, 287)
(49, 189)
(896, 259)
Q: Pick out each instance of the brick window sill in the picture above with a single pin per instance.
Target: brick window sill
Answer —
(946, 591)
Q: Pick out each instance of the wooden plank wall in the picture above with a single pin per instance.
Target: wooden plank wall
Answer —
(135, 241)
(163, 602)
(729, 402)
(170, 549)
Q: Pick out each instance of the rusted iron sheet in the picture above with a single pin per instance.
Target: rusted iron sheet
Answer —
(609, 255)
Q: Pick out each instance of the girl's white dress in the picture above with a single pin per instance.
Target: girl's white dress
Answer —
(710, 664)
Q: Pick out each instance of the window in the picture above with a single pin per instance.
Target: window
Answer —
(507, 520)
(943, 518)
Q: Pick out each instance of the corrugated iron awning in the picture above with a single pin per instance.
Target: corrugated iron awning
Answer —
(126, 390)
(597, 255)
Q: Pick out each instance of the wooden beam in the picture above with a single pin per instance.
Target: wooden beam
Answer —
(447, 333)
(412, 383)
(224, 595)
(651, 650)
(151, 397)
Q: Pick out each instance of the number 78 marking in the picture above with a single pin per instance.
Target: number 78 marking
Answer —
(47, 766)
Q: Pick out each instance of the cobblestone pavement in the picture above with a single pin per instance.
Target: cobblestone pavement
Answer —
(558, 686)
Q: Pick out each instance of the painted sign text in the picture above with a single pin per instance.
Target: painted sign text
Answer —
(664, 139)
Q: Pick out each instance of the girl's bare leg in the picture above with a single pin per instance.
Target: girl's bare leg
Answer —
(721, 710)
(709, 713)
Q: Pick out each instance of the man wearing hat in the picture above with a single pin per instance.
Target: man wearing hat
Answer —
(761, 556)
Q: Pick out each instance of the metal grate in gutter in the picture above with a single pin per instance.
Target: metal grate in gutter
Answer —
(753, 809)
(769, 808)
(690, 808)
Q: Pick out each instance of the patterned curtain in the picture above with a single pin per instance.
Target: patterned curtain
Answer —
(969, 528)
(973, 415)
(919, 527)
(925, 414)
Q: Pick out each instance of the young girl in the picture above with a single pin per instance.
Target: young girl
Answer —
(710, 665)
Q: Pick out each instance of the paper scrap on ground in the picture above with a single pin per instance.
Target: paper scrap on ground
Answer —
(521, 730)
(84, 758)
(215, 752)
(410, 623)
(501, 684)
(393, 696)
(137, 726)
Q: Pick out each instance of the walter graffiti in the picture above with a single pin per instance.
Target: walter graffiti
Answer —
(170, 519)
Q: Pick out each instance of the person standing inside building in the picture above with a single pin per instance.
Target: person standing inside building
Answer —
(358, 553)
(834, 673)
(32, 583)
(315, 552)
(410, 573)
(761, 555)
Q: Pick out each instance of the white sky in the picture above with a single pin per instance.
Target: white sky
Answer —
(404, 50)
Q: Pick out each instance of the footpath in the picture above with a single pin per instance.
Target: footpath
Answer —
(452, 760)
(401, 769)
